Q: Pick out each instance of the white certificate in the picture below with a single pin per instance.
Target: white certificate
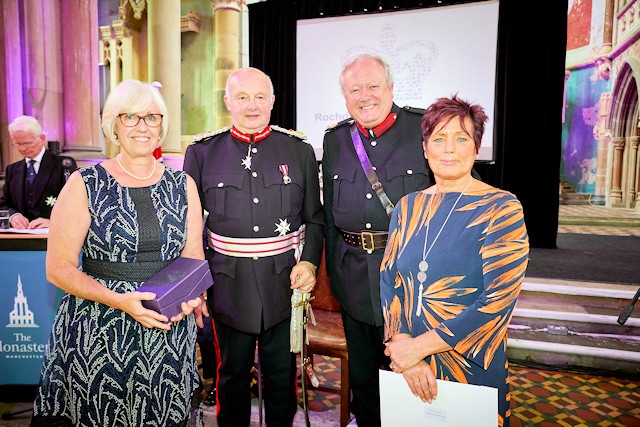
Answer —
(457, 404)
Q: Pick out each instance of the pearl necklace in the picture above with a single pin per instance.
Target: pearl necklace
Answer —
(153, 169)
(424, 265)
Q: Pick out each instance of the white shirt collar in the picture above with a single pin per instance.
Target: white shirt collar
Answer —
(37, 158)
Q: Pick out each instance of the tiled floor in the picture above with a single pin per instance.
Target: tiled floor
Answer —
(601, 230)
(568, 214)
(547, 398)
(538, 398)
(597, 211)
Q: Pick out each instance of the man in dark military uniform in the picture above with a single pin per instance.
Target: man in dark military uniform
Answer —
(356, 217)
(356, 220)
(260, 186)
(32, 185)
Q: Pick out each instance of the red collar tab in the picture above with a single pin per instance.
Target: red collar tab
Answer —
(248, 137)
(381, 128)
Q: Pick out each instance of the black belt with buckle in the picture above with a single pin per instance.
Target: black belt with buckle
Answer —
(367, 240)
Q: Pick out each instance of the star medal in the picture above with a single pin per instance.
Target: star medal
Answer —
(246, 162)
(283, 227)
(50, 201)
(285, 173)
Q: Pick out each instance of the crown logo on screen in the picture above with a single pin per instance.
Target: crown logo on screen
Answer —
(411, 62)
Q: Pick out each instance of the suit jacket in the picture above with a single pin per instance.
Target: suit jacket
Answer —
(45, 188)
(253, 294)
(350, 204)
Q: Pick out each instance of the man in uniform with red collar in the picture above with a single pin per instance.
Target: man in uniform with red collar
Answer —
(356, 215)
(259, 184)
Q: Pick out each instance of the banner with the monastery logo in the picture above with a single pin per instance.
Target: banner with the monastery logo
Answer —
(27, 306)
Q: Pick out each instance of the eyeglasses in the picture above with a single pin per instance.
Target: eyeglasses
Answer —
(23, 145)
(132, 120)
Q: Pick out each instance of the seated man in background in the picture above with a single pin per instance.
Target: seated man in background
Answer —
(32, 185)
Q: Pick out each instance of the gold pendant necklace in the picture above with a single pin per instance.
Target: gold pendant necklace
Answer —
(153, 169)
(423, 266)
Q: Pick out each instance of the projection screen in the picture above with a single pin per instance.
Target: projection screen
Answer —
(434, 52)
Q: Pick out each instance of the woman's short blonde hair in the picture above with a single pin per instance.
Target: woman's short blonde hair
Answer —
(132, 96)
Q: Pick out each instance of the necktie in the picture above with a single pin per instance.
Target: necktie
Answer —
(31, 171)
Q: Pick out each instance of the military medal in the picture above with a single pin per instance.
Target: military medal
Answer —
(246, 162)
(285, 173)
(282, 227)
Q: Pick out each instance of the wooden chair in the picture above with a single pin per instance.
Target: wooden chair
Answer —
(327, 338)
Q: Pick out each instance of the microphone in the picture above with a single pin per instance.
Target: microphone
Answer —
(66, 165)
(628, 309)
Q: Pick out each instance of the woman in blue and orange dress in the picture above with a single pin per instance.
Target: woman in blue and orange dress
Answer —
(453, 266)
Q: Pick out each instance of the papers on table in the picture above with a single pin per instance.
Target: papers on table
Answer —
(457, 404)
(25, 230)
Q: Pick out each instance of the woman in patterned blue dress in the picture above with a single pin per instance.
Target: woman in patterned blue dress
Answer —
(110, 361)
(453, 266)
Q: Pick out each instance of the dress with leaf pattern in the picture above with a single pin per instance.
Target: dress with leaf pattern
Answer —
(102, 367)
(476, 268)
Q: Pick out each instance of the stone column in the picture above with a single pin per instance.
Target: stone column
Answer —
(11, 105)
(603, 136)
(607, 36)
(602, 60)
(42, 66)
(637, 183)
(80, 76)
(615, 194)
(632, 172)
(163, 20)
(226, 27)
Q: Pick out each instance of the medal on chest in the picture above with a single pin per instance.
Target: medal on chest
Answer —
(282, 227)
(246, 162)
(284, 169)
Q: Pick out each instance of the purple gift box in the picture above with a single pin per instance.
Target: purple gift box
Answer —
(182, 280)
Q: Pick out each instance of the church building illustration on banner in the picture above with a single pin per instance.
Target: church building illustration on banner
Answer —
(21, 316)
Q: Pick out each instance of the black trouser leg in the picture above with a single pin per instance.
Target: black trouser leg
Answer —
(237, 353)
(206, 343)
(278, 366)
(366, 357)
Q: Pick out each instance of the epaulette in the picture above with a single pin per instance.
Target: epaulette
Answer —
(289, 132)
(205, 135)
(348, 121)
(415, 110)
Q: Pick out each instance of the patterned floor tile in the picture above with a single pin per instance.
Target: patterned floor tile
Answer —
(538, 398)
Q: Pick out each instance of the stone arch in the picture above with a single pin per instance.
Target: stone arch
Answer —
(623, 160)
